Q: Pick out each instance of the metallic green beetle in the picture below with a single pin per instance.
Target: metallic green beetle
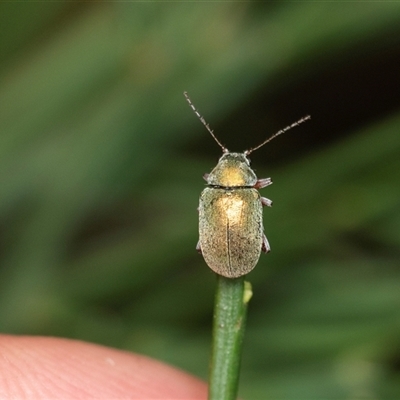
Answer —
(230, 211)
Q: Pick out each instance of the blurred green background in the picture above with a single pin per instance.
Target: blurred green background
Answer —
(101, 164)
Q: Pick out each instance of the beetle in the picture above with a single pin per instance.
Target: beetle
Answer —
(231, 232)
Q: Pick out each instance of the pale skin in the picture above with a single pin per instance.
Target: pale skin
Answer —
(42, 368)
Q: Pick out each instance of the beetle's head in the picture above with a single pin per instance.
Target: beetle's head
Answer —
(232, 170)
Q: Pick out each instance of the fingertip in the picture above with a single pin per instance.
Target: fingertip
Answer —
(61, 368)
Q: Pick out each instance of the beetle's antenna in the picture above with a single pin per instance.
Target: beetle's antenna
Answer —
(297, 123)
(224, 149)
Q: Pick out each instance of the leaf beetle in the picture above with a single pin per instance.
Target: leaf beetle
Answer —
(231, 232)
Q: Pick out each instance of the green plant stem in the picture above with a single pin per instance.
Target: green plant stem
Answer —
(231, 300)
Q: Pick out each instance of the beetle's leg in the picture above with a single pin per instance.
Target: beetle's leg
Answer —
(198, 248)
(205, 177)
(266, 202)
(265, 245)
(262, 183)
